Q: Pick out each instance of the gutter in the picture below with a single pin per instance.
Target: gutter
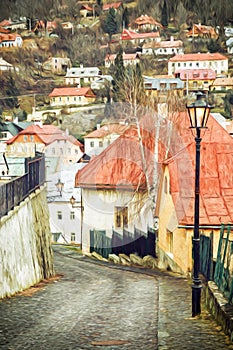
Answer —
(206, 226)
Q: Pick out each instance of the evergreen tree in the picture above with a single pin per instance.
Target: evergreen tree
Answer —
(125, 18)
(164, 15)
(118, 74)
(11, 91)
(110, 24)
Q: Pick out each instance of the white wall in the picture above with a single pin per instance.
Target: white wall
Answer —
(99, 211)
(24, 233)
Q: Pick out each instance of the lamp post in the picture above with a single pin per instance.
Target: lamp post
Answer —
(59, 186)
(74, 205)
(198, 113)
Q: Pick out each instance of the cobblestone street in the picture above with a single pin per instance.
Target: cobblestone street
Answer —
(96, 307)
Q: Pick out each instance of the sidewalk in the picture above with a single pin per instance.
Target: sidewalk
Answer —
(177, 330)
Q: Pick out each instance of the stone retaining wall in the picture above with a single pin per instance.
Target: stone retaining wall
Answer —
(219, 307)
(25, 245)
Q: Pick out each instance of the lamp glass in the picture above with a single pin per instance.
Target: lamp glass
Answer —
(199, 112)
(59, 185)
(72, 200)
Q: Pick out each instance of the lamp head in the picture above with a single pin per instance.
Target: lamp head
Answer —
(199, 111)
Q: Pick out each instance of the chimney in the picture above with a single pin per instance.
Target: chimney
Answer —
(171, 38)
(98, 126)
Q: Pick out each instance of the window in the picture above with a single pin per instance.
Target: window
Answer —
(72, 215)
(32, 137)
(100, 143)
(3, 135)
(53, 150)
(170, 241)
(92, 144)
(25, 138)
(61, 150)
(121, 217)
(72, 237)
(59, 215)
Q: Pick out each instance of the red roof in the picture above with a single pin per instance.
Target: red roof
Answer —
(87, 7)
(196, 74)
(107, 129)
(125, 56)
(9, 37)
(47, 134)
(4, 31)
(121, 165)
(131, 35)
(145, 19)
(72, 91)
(216, 180)
(115, 5)
(198, 57)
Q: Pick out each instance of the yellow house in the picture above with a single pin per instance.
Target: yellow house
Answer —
(175, 208)
(71, 96)
(196, 79)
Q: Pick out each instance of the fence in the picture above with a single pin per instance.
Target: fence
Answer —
(137, 242)
(206, 256)
(16, 190)
(223, 275)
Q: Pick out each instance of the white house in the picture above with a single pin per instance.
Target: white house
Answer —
(82, 75)
(5, 66)
(10, 40)
(214, 61)
(96, 141)
(114, 185)
(57, 64)
(169, 47)
(229, 44)
(65, 218)
(137, 38)
(128, 59)
(101, 82)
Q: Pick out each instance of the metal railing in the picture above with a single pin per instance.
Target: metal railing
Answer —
(13, 192)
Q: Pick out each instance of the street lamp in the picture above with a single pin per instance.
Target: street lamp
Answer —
(59, 186)
(198, 113)
(76, 205)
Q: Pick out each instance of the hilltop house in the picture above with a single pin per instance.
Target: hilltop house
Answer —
(128, 59)
(175, 208)
(10, 40)
(96, 141)
(117, 6)
(13, 25)
(5, 66)
(214, 61)
(202, 31)
(86, 10)
(165, 48)
(196, 79)
(82, 75)
(71, 96)
(145, 23)
(138, 38)
(114, 183)
(57, 64)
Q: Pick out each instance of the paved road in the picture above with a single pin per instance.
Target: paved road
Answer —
(87, 307)
(96, 307)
